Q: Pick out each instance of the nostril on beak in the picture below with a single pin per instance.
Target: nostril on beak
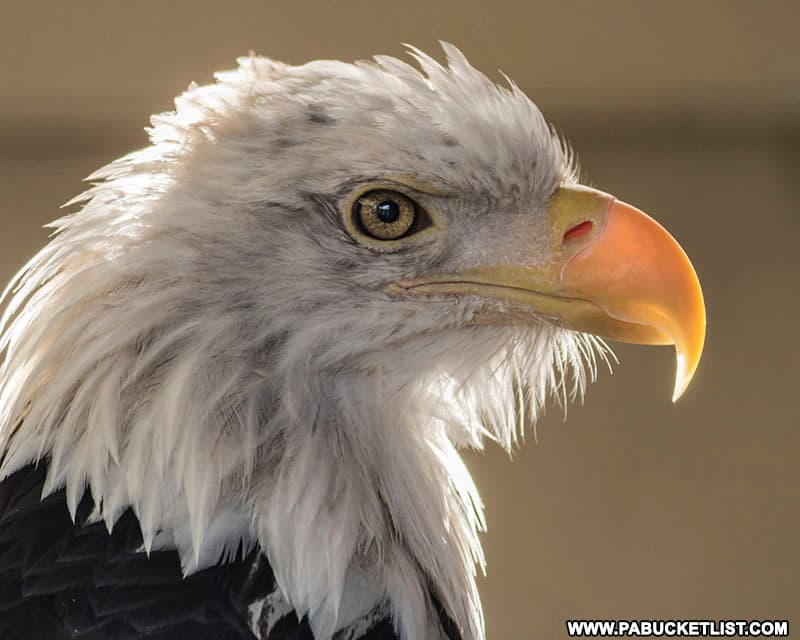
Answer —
(578, 230)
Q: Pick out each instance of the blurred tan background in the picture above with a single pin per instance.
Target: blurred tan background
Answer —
(634, 507)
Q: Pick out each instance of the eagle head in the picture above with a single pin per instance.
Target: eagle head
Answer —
(276, 325)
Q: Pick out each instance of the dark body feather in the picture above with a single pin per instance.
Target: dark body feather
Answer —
(61, 580)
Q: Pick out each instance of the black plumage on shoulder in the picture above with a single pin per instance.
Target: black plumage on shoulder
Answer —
(61, 580)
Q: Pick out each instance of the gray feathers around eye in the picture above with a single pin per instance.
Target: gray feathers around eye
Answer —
(203, 341)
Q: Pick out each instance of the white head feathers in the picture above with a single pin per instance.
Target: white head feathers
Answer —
(203, 342)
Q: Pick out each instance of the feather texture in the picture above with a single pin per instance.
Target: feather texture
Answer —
(203, 343)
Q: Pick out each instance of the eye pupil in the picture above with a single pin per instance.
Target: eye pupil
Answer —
(388, 211)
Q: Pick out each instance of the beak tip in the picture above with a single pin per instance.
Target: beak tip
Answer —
(683, 374)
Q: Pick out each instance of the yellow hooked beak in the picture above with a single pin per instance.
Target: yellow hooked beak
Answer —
(613, 271)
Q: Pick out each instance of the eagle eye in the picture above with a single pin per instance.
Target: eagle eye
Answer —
(383, 214)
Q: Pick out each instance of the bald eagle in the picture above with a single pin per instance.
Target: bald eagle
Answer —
(237, 379)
